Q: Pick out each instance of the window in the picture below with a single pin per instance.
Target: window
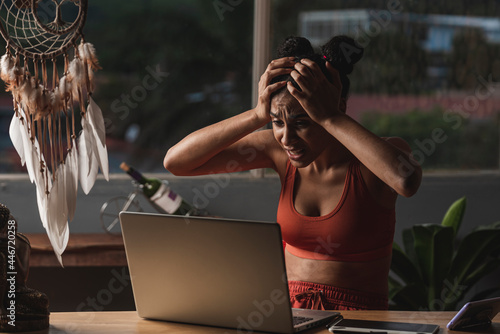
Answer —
(171, 67)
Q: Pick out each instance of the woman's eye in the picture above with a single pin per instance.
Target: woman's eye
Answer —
(277, 122)
(301, 124)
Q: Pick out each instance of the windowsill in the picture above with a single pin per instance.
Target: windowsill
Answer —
(83, 250)
(165, 176)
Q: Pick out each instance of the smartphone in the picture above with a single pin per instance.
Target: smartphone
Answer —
(387, 327)
(475, 314)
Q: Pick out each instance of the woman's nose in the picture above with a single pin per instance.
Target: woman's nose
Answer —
(289, 136)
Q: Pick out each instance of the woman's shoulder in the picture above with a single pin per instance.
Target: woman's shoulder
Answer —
(267, 141)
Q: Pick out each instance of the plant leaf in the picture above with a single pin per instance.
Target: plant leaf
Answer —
(409, 246)
(455, 291)
(495, 225)
(455, 214)
(434, 250)
(403, 267)
(394, 287)
(472, 253)
(488, 266)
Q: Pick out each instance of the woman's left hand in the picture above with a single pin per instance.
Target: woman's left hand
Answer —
(320, 98)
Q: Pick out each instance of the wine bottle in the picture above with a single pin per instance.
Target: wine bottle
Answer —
(160, 194)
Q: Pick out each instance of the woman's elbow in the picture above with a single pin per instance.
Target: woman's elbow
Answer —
(410, 183)
(169, 164)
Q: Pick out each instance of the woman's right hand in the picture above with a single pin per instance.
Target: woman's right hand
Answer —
(275, 68)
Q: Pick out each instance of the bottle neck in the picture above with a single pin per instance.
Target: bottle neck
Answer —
(136, 176)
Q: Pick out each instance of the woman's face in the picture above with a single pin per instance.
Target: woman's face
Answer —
(302, 139)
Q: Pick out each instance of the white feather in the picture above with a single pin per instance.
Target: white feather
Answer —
(16, 137)
(65, 87)
(57, 200)
(7, 68)
(76, 70)
(30, 153)
(42, 197)
(57, 219)
(43, 182)
(88, 166)
(71, 166)
(89, 57)
(96, 122)
(88, 54)
(85, 143)
(76, 74)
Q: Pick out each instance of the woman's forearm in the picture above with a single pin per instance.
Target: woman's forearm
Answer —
(200, 146)
(387, 161)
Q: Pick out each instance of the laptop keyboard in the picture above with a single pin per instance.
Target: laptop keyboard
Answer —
(297, 320)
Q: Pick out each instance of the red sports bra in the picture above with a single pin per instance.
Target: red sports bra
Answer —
(358, 229)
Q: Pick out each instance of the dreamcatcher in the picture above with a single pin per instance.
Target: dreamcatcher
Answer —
(48, 67)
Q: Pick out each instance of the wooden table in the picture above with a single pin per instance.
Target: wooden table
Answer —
(129, 322)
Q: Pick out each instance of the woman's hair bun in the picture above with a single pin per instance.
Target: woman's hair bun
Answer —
(342, 52)
(295, 47)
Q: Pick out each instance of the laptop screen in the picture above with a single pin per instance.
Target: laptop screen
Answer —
(209, 271)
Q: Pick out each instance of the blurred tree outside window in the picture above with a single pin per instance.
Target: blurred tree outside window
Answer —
(429, 73)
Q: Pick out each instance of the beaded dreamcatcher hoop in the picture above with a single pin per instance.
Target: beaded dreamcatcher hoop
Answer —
(48, 67)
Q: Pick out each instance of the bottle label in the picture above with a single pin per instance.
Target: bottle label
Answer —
(166, 199)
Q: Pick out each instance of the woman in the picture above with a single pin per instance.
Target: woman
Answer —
(339, 181)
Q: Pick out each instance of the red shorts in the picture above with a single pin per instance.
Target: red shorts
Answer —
(326, 297)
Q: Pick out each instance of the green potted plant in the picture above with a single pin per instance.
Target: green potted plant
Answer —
(435, 270)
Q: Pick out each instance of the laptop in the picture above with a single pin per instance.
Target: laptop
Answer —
(212, 271)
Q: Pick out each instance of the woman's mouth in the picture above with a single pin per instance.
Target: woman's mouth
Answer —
(295, 154)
